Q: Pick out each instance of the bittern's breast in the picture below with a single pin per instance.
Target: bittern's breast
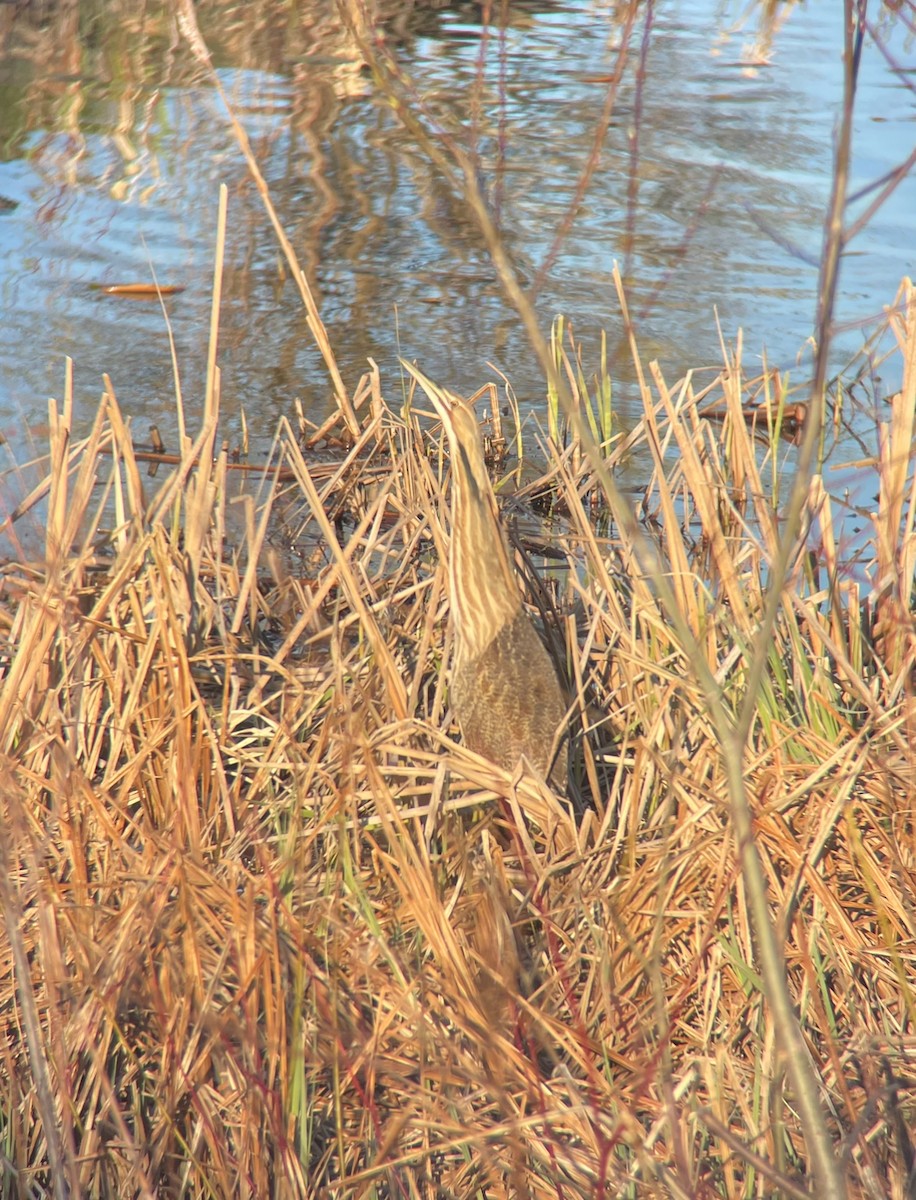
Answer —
(508, 701)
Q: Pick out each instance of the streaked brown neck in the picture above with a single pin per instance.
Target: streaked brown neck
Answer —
(485, 596)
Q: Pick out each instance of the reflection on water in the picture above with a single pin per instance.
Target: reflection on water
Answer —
(709, 190)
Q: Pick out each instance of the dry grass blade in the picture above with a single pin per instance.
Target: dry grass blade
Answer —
(191, 31)
(896, 562)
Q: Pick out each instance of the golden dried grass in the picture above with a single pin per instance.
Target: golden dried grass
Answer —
(269, 931)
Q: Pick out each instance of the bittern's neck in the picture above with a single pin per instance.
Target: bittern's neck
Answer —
(485, 596)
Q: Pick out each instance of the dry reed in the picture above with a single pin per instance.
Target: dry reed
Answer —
(269, 931)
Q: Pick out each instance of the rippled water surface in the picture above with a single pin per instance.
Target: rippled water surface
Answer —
(709, 190)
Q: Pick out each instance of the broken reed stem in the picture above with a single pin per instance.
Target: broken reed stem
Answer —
(200, 493)
(805, 1077)
(191, 30)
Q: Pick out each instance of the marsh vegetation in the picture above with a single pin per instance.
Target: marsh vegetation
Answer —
(271, 930)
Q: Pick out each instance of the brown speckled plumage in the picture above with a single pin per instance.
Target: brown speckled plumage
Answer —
(504, 689)
(508, 702)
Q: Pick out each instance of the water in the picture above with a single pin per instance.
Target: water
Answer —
(710, 193)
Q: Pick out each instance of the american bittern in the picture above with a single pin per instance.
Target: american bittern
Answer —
(503, 686)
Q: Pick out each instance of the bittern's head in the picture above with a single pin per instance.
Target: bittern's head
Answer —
(484, 594)
(469, 467)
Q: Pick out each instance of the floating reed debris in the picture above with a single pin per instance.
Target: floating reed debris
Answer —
(139, 291)
(267, 931)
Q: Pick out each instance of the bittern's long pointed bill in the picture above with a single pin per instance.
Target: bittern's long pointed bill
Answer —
(484, 593)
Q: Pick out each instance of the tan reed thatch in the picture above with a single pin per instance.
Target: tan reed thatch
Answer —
(271, 929)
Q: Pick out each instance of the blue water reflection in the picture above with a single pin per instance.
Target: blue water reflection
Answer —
(708, 180)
